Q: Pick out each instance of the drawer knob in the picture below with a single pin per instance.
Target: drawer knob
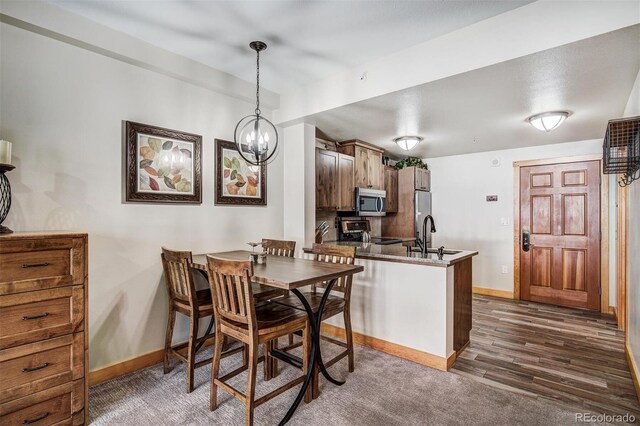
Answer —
(30, 369)
(34, 265)
(46, 314)
(37, 419)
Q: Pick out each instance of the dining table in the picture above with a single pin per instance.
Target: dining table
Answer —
(292, 274)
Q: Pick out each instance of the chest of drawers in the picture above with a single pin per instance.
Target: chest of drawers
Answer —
(43, 329)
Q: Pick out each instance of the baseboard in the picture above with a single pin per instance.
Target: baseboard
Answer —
(394, 349)
(129, 366)
(132, 365)
(635, 374)
(492, 292)
(125, 367)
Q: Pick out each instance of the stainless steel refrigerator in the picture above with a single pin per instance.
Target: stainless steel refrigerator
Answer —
(422, 200)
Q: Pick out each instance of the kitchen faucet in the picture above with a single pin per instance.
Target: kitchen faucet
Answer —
(423, 243)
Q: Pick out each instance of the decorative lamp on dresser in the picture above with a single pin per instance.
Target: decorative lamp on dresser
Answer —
(43, 329)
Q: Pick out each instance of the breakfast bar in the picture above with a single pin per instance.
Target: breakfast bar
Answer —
(413, 305)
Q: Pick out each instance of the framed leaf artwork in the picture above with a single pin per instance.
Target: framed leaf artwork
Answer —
(238, 182)
(162, 165)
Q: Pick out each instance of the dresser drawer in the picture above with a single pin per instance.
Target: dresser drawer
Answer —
(31, 368)
(39, 315)
(27, 265)
(61, 405)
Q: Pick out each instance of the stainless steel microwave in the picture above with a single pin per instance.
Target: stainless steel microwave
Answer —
(371, 202)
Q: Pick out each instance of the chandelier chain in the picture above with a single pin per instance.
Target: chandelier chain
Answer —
(258, 83)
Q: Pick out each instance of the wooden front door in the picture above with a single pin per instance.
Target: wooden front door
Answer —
(560, 215)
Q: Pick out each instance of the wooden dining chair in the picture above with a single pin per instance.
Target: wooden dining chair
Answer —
(238, 316)
(185, 299)
(286, 249)
(336, 303)
(262, 293)
(279, 247)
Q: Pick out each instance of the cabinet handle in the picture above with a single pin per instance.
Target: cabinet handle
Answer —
(37, 419)
(34, 265)
(35, 317)
(30, 369)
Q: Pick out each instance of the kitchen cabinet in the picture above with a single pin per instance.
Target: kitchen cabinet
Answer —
(335, 173)
(402, 224)
(346, 182)
(422, 179)
(368, 162)
(326, 179)
(390, 184)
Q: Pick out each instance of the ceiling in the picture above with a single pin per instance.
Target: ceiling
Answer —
(308, 40)
(485, 109)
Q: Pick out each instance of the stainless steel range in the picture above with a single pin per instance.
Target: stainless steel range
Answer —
(354, 229)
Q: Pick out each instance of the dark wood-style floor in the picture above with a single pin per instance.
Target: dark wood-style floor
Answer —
(571, 356)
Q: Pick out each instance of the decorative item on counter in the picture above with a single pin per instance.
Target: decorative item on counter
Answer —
(411, 162)
(321, 231)
(257, 258)
(5, 152)
(5, 187)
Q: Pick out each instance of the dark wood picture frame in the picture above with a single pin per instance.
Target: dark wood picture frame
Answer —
(221, 144)
(133, 165)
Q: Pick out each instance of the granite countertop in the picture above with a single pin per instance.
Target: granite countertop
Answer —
(398, 253)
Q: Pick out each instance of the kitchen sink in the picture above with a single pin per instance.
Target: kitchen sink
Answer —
(433, 250)
(414, 249)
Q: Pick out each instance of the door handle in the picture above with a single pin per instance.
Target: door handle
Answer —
(379, 204)
(526, 240)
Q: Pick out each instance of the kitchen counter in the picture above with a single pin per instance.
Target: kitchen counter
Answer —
(398, 253)
(416, 305)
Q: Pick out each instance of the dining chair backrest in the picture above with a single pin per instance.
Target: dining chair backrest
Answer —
(230, 282)
(336, 254)
(279, 247)
(178, 276)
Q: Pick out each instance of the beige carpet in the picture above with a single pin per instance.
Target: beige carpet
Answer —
(384, 390)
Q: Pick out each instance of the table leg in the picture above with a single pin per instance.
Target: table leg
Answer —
(315, 320)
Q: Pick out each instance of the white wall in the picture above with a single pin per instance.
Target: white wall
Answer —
(465, 220)
(63, 107)
(633, 238)
(300, 188)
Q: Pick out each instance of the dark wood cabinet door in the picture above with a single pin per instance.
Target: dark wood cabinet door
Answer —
(560, 211)
(390, 184)
(374, 169)
(346, 182)
(326, 179)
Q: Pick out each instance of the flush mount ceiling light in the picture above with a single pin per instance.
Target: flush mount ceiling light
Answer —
(547, 121)
(407, 142)
(256, 137)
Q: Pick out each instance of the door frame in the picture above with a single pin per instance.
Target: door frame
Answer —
(604, 222)
(621, 258)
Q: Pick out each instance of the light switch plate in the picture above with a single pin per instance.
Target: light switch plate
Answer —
(492, 198)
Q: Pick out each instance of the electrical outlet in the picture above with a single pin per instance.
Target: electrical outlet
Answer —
(505, 269)
(504, 221)
(492, 198)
